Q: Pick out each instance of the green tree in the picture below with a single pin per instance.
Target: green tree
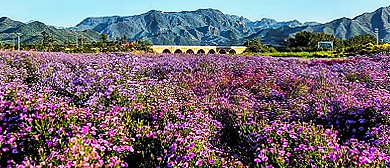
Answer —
(81, 41)
(308, 39)
(47, 38)
(104, 38)
(360, 40)
(253, 46)
(143, 45)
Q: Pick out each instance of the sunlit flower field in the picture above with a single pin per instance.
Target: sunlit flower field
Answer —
(148, 110)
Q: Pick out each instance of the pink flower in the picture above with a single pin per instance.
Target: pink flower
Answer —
(199, 162)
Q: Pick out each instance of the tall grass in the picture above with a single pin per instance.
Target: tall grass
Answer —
(320, 54)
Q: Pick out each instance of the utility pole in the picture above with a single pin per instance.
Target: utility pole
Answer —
(377, 35)
(13, 39)
(18, 34)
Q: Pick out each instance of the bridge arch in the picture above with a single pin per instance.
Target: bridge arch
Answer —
(166, 51)
(212, 51)
(232, 51)
(190, 51)
(222, 51)
(201, 51)
(178, 51)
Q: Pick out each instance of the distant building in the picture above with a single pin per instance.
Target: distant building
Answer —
(325, 44)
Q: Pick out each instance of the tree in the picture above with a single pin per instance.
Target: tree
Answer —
(81, 41)
(104, 38)
(253, 46)
(310, 39)
(360, 40)
(47, 38)
(143, 45)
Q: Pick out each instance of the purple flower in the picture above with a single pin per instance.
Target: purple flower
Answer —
(173, 147)
(199, 162)
(264, 158)
(364, 160)
(124, 164)
(190, 156)
(170, 164)
(302, 146)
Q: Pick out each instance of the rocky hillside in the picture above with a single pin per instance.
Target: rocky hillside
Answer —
(200, 27)
(31, 32)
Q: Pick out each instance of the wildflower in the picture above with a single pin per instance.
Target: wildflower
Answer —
(199, 162)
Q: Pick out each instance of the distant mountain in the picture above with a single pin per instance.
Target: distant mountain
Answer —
(200, 27)
(267, 23)
(342, 28)
(31, 32)
(362, 24)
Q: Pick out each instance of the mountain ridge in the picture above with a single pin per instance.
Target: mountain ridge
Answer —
(199, 27)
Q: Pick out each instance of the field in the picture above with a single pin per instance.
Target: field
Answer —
(125, 110)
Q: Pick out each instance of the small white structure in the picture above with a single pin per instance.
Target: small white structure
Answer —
(325, 44)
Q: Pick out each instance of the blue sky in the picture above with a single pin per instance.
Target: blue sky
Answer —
(71, 12)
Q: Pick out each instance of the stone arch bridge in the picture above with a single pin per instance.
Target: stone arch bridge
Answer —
(199, 49)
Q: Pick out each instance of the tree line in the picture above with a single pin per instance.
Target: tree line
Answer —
(306, 41)
(48, 44)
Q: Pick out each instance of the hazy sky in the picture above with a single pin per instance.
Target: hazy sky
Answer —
(71, 12)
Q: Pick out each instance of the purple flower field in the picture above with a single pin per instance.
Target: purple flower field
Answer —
(125, 110)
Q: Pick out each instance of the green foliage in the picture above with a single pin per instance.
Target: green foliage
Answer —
(81, 41)
(360, 40)
(254, 46)
(305, 43)
(47, 45)
(319, 54)
(47, 38)
(361, 44)
(143, 45)
(310, 39)
(104, 38)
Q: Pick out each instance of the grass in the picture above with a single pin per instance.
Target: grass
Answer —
(320, 54)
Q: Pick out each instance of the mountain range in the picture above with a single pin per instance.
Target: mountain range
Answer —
(199, 27)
